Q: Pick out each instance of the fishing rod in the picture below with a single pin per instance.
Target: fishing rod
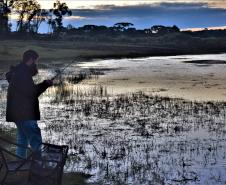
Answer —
(59, 72)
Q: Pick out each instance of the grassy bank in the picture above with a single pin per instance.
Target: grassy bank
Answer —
(89, 48)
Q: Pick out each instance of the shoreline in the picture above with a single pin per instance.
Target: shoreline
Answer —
(11, 50)
(134, 56)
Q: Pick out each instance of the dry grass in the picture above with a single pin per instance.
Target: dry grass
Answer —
(51, 50)
(11, 51)
(56, 50)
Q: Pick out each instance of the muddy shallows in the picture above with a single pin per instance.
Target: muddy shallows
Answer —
(135, 138)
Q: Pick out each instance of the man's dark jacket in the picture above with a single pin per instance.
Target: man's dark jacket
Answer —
(22, 96)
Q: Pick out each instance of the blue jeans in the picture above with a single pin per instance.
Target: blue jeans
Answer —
(28, 132)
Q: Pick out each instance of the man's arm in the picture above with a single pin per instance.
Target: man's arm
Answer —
(24, 84)
(41, 87)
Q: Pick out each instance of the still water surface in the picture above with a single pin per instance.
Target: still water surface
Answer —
(168, 76)
(122, 136)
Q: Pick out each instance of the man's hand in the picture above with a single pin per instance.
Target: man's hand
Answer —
(48, 83)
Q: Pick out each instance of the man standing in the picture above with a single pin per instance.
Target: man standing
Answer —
(22, 102)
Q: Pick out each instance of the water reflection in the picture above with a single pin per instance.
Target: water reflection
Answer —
(133, 137)
(193, 77)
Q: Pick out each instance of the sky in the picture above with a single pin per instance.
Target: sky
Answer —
(186, 14)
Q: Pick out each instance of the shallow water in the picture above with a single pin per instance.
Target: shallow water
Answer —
(138, 138)
(167, 76)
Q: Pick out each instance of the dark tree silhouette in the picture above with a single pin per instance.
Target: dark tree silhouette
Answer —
(5, 10)
(40, 16)
(56, 15)
(159, 29)
(70, 27)
(89, 27)
(122, 26)
(94, 29)
(30, 15)
(175, 28)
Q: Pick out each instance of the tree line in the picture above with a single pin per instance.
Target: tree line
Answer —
(30, 15)
(120, 28)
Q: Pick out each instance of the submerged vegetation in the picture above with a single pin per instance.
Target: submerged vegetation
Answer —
(131, 138)
(141, 139)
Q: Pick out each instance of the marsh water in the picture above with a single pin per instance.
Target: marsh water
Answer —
(155, 120)
(174, 76)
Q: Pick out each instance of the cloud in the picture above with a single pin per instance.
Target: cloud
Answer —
(209, 28)
(74, 4)
(144, 14)
(74, 17)
(185, 15)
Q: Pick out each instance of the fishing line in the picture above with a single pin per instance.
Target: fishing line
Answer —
(59, 72)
